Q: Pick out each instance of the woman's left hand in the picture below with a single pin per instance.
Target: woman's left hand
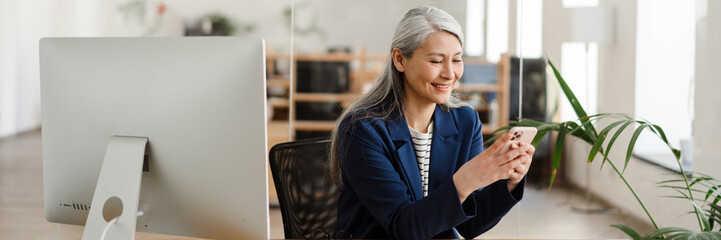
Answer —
(519, 172)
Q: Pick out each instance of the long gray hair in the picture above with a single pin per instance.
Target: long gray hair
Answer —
(388, 93)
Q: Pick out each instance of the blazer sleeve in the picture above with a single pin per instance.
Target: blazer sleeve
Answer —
(367, 167)
(492, 202)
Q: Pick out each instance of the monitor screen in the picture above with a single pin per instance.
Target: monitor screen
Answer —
(200, 102)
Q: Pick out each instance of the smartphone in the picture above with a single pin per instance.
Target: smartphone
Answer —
(519, 135)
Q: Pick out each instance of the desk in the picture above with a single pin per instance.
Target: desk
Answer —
(454, 239)
(146, 236)
(153, 236)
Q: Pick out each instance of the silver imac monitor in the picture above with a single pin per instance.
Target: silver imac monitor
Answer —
(198, 107)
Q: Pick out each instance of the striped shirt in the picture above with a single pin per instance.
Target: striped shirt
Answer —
(422, 145)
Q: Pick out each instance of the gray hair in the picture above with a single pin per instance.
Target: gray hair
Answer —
(388, 94)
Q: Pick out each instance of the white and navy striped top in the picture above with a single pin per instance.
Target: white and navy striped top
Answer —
(422, 145)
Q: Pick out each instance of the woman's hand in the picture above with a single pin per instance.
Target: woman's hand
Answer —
(491, 166)
(519, 172)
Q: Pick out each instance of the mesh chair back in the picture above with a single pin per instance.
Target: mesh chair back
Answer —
(306, 194)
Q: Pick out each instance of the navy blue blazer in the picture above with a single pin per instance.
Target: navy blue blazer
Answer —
(382, 193)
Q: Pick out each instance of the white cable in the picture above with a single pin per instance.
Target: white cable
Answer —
(107, 227)
(115, 220)
(291, 105)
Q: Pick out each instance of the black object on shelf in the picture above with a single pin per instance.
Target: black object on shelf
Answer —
(322, 77)
(535, 108)
(318, 111)
(534, 89)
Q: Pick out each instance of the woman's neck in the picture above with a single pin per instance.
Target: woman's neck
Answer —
(418, 116)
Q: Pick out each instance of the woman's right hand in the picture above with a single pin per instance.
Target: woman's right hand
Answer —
(487, 167)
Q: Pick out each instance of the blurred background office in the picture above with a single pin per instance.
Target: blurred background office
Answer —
(649, 58)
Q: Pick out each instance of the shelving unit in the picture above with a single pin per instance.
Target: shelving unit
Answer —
(364, 70)
(361, 73)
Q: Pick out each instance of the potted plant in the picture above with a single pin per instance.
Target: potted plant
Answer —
(696, 189)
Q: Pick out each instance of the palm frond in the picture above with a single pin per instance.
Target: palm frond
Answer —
(557, 152)
(631, 145)
(580, 112)
(602, 136)
(629, 231)
(583, 128)
(659, 233)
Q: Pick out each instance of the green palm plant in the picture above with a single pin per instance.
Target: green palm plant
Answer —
(708, 214)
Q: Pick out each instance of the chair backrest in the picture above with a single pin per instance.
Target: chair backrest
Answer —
(306, 194)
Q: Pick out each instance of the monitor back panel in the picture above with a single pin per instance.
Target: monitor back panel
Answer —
(200, 102)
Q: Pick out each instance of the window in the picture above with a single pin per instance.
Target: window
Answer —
(579, 61)
(664, 75)
(475, 12)
(532, 21)
(580, 70)
(497, 29)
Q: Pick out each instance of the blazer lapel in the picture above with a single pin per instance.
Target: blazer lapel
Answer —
(444, 148)
(406, 156)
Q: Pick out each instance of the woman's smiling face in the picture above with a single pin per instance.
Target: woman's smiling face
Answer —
(433, 69)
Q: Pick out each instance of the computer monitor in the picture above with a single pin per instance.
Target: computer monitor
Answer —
(199, 101)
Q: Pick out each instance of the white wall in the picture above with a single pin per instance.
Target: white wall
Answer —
(616, 95)
(23, 23)
(355, 24)
(7, 60)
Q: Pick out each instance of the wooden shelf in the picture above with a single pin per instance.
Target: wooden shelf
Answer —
(487, 130)
(324, 97)
(331, 57)
(482, 107)
(278, 102)
(335, 57)
(277, 81)
(477, 88)
(363, 73)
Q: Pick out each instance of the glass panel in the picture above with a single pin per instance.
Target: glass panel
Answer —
(340, 48)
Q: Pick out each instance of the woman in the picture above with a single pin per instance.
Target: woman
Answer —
(409, 155)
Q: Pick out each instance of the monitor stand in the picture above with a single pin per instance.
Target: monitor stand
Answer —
(117, 193)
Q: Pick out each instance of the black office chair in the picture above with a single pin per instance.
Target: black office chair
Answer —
(306, 194)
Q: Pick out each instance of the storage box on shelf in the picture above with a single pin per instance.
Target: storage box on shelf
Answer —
(485, 86)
